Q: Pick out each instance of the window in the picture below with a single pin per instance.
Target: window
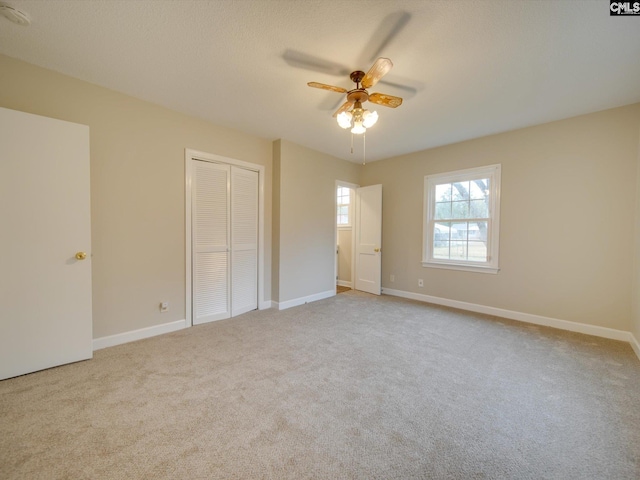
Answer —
(461, 219)
(344, 199)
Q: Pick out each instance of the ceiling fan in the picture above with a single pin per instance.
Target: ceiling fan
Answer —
(358, 118)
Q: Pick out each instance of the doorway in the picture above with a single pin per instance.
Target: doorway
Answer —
(345, 214)
(358, 237)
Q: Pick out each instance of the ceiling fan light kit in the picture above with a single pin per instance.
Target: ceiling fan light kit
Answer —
(358, 119)
(351, 114)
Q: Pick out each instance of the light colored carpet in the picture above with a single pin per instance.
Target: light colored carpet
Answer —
(351, 387)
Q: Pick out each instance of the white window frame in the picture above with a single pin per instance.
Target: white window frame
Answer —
(492, 172)
(338, 205)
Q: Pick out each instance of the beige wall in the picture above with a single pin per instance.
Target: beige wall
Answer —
(567, 225)
(635, 324)
(569, 208)
(275, 258)
(137, 189)
(307, 218)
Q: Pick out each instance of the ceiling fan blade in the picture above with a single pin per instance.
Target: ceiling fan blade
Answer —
(385, 100)
(324, 86)
(384, 34)
(345, 106)
(310, 62)
(378, 70)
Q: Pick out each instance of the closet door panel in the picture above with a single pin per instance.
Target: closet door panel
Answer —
(244, 240)
(245, 282)
(211, 301)
(211, 235)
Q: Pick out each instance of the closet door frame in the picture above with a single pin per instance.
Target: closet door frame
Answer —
(209, 157)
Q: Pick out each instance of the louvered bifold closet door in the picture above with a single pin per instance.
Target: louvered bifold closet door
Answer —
(211, 234)
(244, 240)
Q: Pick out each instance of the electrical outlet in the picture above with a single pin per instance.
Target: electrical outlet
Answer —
(420, 282)
(164, 306)
(392, 278)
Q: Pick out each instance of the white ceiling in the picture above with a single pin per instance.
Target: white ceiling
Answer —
(477, 67)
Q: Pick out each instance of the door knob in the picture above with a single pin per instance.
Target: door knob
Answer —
(376, 250)
(81, 256)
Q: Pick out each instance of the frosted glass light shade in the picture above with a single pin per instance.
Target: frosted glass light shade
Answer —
(358, 128)
(357, 119)
(344, 119)
(369, 118)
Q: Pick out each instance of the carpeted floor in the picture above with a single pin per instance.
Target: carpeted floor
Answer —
(351, 387)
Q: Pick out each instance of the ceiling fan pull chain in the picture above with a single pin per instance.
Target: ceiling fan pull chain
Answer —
(352, 144)
(364, 148)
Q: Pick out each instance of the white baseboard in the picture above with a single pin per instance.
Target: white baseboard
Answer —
(344, 283)
(635, 345)
(302, 300)
(595, 330)
(132, 336)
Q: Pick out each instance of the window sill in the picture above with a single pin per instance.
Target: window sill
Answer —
(462, 267)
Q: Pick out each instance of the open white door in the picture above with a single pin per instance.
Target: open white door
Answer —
(368, 223)
(45, 290)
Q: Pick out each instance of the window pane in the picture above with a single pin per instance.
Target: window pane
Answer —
(344, 195)
(478, 209)
(460, 191)
(443, 210)
(460, 209)
(478, 231)
(441, 233)
(441, 251)
(462, 241)
(343, 210)
(458, 250)
(477, 251)
(479, 188)
(460, 230)
(343, 220)
(443, 192)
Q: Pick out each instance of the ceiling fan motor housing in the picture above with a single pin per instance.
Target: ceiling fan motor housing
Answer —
(359, 95)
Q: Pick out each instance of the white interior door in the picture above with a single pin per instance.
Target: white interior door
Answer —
(211, 215)
(244, 240)
(45, 217)
(368, 232)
